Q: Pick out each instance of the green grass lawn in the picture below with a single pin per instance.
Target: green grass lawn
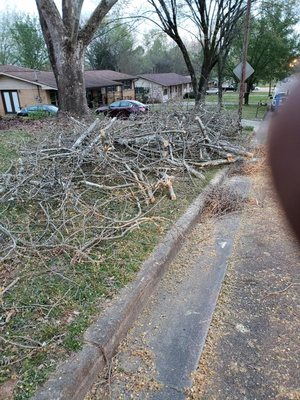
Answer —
(251, 111)
(231, 101)
(233, 97)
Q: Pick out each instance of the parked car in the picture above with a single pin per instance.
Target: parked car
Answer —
(123, 109)
(278, 100)
(46, 109)
(229, 88)
(212, 91)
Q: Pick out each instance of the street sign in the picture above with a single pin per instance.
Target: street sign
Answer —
(238, 71)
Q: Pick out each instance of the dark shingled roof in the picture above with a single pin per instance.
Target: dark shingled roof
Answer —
(39, 77)
(13, 68)
(109, 75)
(166, 79)
(93, 79)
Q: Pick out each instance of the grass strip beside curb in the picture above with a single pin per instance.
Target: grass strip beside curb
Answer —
(74, 378)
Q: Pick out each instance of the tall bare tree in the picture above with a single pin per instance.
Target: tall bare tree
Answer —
(215, 22)
(67, 42)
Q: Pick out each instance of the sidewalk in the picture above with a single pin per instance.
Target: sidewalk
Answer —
(252, 350)
(260, 128)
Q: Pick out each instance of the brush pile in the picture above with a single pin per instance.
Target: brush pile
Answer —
(90, 184)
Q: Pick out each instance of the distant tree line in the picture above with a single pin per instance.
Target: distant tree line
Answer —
(115, 47)
(119, 47)
(22, 42)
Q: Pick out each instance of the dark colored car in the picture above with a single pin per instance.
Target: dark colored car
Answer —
(123, 109)
(46, 109)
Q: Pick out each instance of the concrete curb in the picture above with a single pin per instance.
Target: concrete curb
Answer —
(74, 378)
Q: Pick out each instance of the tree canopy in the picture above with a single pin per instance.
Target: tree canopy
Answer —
(6, 42)
(273, 42)
(114, 47)
(29, 46)
(214, 22)
(106, 42)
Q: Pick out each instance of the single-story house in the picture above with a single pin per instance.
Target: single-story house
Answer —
(162, 87)
(105, 86)
(23, 86)
(20, 87)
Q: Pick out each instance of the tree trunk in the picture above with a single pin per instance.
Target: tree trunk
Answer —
(66, 42)
(249, 85)
(69, 74)
(215, 22)
(203, 80)
(270, 88)
(220, 82)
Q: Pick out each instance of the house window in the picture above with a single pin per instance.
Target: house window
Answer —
(127, 85)
(53, 97)
(11, 101)
(111, 88)
(142, 90)
(165, 92)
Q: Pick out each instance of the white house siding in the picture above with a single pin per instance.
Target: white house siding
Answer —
(7, 83)
(162, 93)
(156, 91)
(186, 88)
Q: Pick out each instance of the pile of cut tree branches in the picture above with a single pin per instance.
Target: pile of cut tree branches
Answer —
(94, 183)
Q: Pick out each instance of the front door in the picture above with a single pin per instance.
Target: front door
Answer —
(11, 101)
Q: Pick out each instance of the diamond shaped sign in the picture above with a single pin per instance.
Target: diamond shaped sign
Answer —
(238, 71)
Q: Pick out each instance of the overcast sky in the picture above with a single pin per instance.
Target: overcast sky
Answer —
(29, 6)
(130, 8)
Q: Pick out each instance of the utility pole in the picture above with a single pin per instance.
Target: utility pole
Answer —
(244, 58)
